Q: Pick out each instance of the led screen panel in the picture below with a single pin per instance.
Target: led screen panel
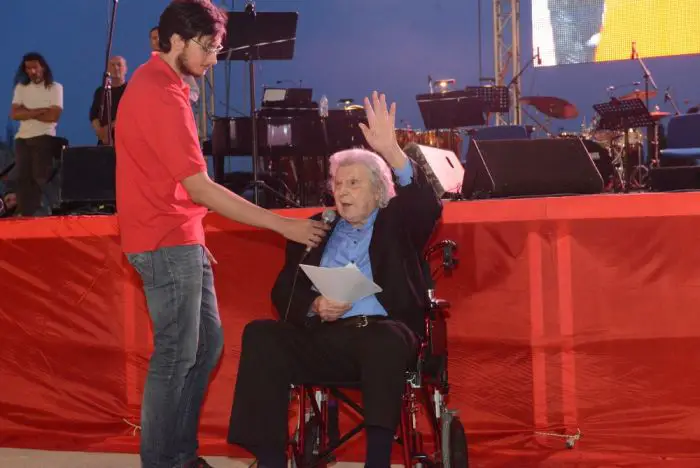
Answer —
(583, 31)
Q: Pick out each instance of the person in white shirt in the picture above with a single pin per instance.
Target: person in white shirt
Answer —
(37, 104)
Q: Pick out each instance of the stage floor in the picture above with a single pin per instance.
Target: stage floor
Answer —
(571, 313)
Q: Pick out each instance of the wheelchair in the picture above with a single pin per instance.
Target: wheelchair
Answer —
(317, 434)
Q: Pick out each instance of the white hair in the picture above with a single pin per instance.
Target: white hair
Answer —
(380, 173)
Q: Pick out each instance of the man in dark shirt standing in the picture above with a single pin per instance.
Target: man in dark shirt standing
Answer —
(117, 71)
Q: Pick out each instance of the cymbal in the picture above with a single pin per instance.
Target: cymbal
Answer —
(554, 107)
(638, 95)
(659, 115)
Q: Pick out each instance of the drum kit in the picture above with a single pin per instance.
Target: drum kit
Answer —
(618, 154)
(450, 139)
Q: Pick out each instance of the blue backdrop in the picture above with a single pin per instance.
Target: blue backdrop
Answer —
(344, 49)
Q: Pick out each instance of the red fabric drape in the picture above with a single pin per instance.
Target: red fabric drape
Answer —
(567, 313)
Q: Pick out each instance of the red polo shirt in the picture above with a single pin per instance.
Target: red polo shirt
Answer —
(157, 146)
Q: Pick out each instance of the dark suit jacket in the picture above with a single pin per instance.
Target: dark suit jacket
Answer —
(401, 232)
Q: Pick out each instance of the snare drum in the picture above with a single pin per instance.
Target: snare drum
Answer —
(606, 138)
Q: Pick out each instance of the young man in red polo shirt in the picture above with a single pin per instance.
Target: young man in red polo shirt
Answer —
(163, 193)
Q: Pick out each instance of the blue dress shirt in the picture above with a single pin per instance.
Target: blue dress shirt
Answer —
(348, 244)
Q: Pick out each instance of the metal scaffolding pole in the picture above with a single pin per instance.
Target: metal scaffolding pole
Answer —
(506, 48)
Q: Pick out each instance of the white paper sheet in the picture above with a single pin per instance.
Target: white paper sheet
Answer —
(346, 284)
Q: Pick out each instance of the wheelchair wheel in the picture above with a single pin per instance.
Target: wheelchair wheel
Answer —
(458, 452)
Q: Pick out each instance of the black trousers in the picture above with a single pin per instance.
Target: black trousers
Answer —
(34, 160)
(276, 354)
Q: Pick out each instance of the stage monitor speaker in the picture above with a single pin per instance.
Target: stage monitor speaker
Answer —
(521, 168)
(87, 174)
(442, 167)
(676, 178)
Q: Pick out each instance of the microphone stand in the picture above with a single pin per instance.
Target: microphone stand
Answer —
(106, 104)
(669, 98)
(647, 79)
(529, 64)
(515, 79)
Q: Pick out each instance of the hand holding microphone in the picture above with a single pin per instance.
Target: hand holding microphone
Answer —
(307, 231)
(327, 219)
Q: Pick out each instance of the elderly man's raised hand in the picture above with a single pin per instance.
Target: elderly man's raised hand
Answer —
(380, 131)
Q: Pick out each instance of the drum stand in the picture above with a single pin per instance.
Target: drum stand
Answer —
(543, 127)
(618, 162)
(655, 159)
(625, 115)
(642, 171)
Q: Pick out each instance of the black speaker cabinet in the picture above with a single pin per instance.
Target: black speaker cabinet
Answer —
(87, 174)
(520, 168)
(670, 179)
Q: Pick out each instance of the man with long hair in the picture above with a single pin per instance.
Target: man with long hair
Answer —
(163, 193)
(37, 104)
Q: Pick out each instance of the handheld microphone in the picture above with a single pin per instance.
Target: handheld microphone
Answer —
(327, 217)
(539, 57)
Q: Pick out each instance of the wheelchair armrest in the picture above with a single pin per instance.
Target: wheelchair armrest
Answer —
(439, 308)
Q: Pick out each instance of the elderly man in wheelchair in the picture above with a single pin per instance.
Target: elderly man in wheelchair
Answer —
(383, 229)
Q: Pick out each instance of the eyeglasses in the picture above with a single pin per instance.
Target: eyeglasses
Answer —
(209, 49)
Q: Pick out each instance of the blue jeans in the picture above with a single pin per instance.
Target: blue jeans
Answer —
(188, 339)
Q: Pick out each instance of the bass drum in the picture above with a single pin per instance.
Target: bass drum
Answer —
(603, 161)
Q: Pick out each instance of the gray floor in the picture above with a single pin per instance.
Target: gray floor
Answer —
(21, 458)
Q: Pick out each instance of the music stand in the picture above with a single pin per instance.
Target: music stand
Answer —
(450, 110)
(253, 36)
(496, 99)
(618, 115)
(623, 115)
